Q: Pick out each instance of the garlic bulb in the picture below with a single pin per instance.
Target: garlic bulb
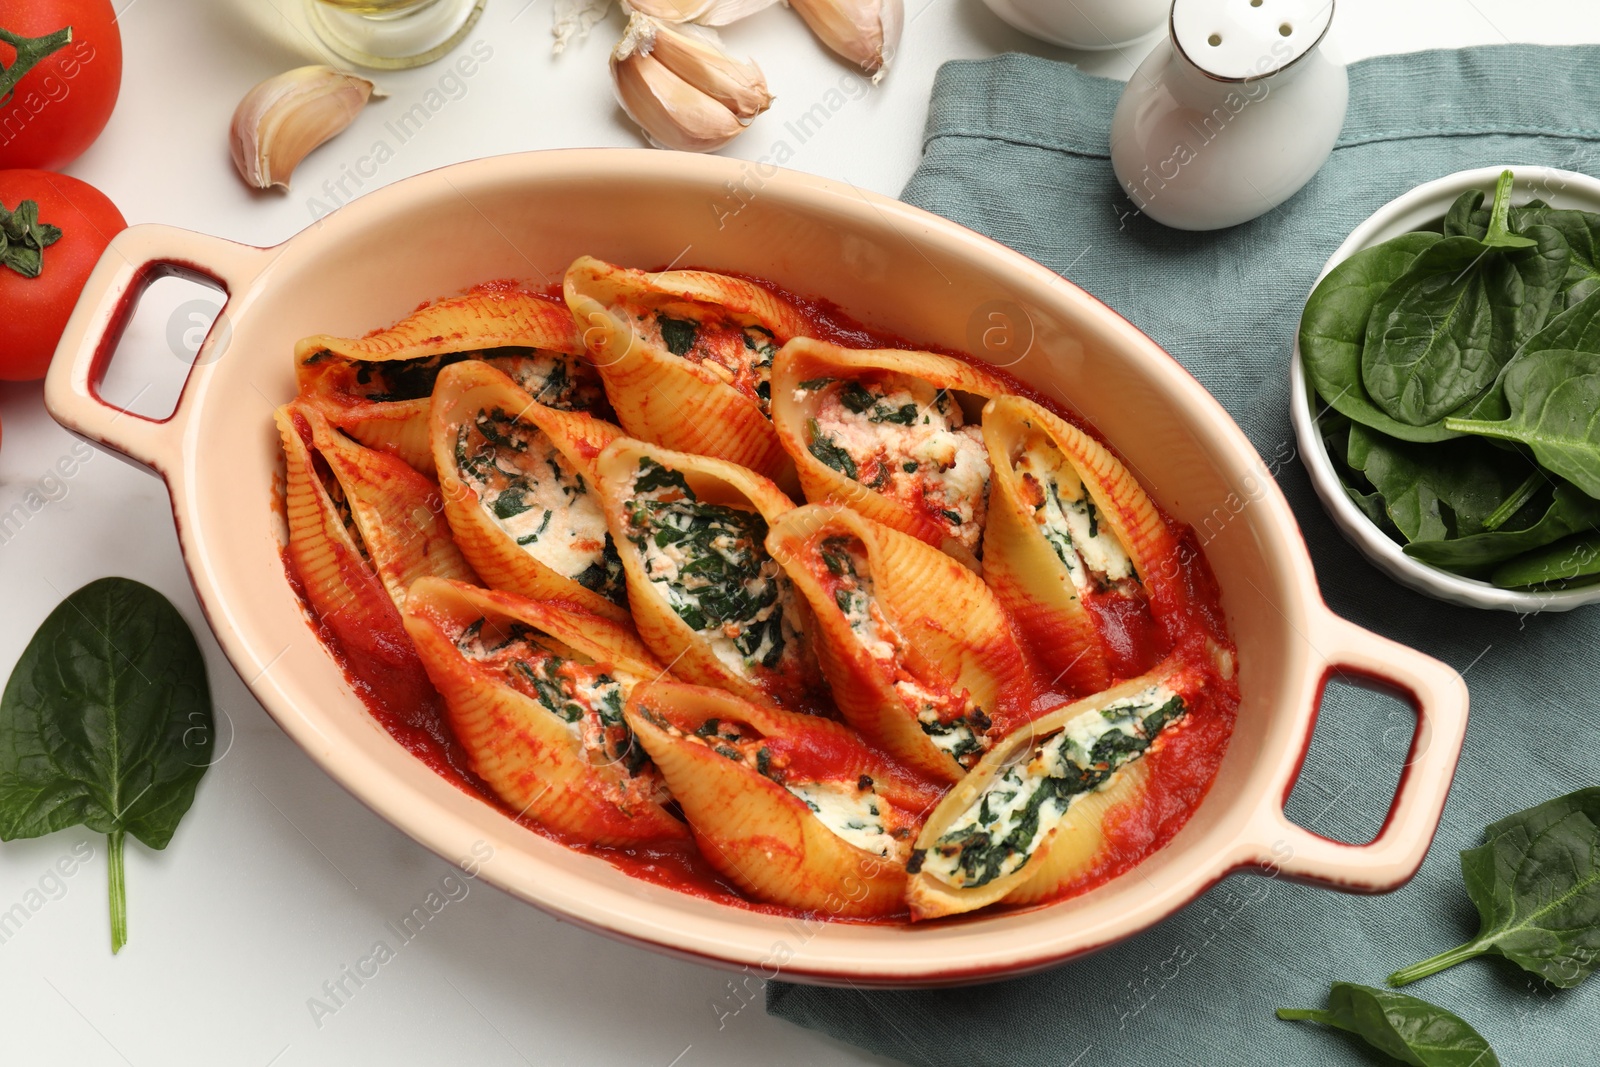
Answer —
(281, 120)
(682, 90)
(866, 32)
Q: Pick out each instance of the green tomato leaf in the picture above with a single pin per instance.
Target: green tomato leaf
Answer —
(1438, 492)
(1573, 562)
(1561, 513)
(1554, 402)
(1410, 1030)
(106, 720)
(1334, 324)
(1536, 883)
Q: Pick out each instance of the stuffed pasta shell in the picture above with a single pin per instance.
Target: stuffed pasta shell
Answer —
(687, 357)
(362, 526)
(385, 512)
(535, 694)
(919, 654)
(1074, 545)
(520, 490)
(1029, 820)
(884, 432)
(792, 808)
(706, 596)
(376, 387)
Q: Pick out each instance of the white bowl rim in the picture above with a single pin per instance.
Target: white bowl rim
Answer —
(1410, 211)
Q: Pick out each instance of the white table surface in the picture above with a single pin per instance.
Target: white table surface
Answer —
(278, 878)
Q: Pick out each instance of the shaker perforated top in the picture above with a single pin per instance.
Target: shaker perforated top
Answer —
(1238, 40)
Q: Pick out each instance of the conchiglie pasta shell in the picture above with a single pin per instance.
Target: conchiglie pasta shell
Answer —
(951, 626)
(930, 897)
(525, 754)
(341, 587)
(1079, 842)
(463, 390)
(479, 320)
(1024, 570)
(753, 830)
(398, 512)
(665, 399)
(793, 408)
(713, 481)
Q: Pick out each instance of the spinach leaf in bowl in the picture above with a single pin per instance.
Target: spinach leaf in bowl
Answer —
(1557, 514)
(1438, 336)
(1334, 324)
(1553, 399)
(1435, 492)
(1563, 565)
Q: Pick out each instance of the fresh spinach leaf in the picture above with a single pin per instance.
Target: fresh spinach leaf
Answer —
(1439, 335)
(1565, 511)
(105, 722)
(1436, 492)
(1410, 1030)
(1575, 561)
(1467, 217)
(1334, 324)
(1536, 883)
(1553, 398)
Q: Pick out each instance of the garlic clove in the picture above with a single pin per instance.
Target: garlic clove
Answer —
(669, 10)
(672, 113)
(740, 87)
(281, 120)
(705, 12)
(683, 90)
(866, 32)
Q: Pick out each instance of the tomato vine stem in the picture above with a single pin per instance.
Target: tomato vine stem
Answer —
(30, 50)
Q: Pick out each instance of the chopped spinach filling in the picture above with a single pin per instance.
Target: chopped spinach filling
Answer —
(710, 562)
(1001, 834)
(828, 451)
(677, 334)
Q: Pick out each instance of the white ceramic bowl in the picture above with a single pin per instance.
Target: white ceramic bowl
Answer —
(895, 267)
(1087, 25)
(1424, 208)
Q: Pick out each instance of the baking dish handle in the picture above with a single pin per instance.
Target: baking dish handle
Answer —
(1438, 695)
(136, 257)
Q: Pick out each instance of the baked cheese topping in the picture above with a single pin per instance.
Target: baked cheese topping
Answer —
(948, 715)
(710, 563)
(586, 697)
(1067, 517)
(1019, 808)
(905, 439)
(532, 492)
(739, 355)
(852, 811)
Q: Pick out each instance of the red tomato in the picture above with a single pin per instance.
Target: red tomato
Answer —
(37, 309)
(59, 106)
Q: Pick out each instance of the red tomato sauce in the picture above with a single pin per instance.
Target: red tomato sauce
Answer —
(1182, 767)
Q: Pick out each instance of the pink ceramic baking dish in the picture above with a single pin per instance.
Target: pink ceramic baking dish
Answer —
(892, 266)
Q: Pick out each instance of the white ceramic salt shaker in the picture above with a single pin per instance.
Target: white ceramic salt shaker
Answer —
(1091, 25)
(1230, 115)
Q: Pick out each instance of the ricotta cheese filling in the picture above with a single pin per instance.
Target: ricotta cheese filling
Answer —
(710, 564)
(555, 379)
(1067, 517)
(530, 490)
(1022, 804)
(586, 697)
(948, 715)
(739, 355)
(905, 439)
(852, 811)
